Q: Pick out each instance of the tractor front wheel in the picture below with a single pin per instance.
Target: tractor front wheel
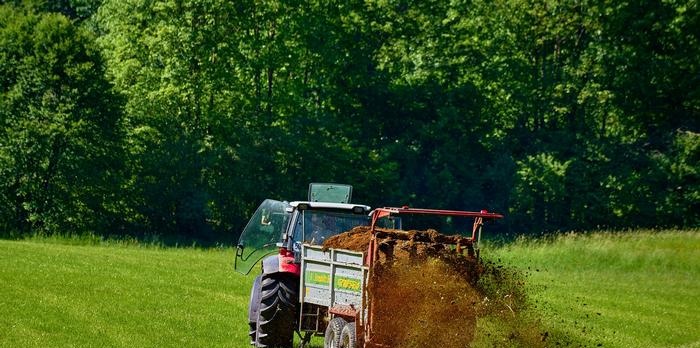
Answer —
(277, 313)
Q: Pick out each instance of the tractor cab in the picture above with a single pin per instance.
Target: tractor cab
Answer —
(313, 222)
(281, 227)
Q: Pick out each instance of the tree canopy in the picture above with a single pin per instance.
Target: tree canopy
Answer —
(175, 118)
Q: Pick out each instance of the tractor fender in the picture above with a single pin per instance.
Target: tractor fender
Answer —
(254, 300)
(271, 264)
(280, 263)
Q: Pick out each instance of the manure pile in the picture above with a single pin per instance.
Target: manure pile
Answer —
(423, 293)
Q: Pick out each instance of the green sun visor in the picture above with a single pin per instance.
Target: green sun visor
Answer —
(261, 235)
(331, 193)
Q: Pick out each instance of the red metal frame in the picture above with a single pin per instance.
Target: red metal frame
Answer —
(387, 211)
(372, 250)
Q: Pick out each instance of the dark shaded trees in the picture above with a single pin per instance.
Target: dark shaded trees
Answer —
(59, 137)
(564, 115)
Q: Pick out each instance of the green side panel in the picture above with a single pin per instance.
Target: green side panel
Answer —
(339, 283)
(317, 278)
(347, 284)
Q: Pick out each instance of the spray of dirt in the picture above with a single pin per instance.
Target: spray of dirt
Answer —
(423, 293)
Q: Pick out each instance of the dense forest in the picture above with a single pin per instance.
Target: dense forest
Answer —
(175, 118)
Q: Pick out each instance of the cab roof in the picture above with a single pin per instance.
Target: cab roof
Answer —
(328, 205)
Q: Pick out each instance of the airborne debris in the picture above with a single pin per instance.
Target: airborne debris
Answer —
(427, 294)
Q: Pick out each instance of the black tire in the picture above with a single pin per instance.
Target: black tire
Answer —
(333, 332)
(253, 306)
(348, 336)
(277, 314)
(252, 332)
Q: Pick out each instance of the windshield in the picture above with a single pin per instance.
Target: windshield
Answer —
(261, 234)
(314, 226)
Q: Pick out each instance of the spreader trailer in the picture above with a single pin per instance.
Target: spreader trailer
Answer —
(331, 296)
(335, 283)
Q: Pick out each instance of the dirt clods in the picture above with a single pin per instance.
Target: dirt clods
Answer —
(356, 239)
(426, 289)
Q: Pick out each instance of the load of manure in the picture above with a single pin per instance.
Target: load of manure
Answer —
(426, 289)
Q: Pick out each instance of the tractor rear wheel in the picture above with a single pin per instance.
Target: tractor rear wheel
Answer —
(348, 337)
(333, 332)
(253, 306)
(277, 313)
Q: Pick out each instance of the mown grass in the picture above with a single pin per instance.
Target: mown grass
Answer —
(58, 295)
(635, 289)
(632, 289)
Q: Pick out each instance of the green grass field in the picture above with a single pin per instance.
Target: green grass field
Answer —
(635, 289)
(54, 295)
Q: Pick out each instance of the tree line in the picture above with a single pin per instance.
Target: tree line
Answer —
(175, 118)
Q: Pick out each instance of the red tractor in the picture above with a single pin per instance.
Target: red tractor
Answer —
(275, 234)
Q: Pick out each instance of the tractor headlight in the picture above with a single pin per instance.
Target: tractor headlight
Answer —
(358, 210)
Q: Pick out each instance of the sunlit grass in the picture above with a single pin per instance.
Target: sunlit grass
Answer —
(633, 289)
(55, 295)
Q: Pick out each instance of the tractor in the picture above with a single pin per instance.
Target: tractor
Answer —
(275, 234)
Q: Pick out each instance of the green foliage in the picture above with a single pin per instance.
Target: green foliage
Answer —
(540, 188)
(227, 102)
(59, 134)
(565, 115)
(681, 179)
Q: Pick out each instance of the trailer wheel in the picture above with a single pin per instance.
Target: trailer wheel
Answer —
(277, 314)
(333, 332)
(348, 337)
